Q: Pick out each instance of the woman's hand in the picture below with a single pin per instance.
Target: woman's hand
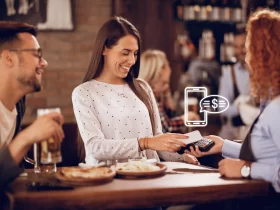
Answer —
(217, 148)
(191, 159)
(231, 168)
(170, 142)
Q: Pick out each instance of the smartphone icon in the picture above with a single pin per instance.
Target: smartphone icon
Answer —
(193, 95)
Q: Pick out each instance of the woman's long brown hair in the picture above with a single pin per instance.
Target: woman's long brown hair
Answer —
(108, 36)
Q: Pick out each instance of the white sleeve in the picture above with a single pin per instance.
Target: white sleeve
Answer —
(168, 156)
(94, 140)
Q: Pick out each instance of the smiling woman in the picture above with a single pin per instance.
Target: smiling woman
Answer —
(117, 114)
(119, 59)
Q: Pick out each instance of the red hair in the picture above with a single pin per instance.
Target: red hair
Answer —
(263, 53)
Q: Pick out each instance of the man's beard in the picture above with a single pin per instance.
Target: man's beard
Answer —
(31, 82)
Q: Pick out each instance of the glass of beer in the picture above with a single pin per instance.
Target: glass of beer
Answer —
(193, 104)
(192, 107)
(46, 153)
(49, 148)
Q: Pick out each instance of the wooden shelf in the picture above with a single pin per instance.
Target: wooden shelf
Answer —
(209, 22)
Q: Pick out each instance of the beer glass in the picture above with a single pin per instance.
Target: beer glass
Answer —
(192, 107)
(193, 104)
(46, 153)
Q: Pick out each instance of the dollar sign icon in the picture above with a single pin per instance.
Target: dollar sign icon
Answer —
(214, 104)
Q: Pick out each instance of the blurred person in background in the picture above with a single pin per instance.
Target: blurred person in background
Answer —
(116, 112)
(21, 69)
(200, 73)
(259, 155)
(235, 87)
(156, 71)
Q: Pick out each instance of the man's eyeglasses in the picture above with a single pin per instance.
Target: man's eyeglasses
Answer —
(38, 51)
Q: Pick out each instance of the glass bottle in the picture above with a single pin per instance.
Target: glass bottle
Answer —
(207, 45)
(215, 14)
(236, 11)
(189, 13)
(225, 10)
(178, 7)
(203, 10)
(196, 10)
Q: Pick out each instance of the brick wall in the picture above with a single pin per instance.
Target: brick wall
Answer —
(68, 55)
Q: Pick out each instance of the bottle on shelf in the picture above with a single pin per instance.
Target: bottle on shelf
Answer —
(227, 49)
(188, 13)
(244, 4)
(196, 10)
(225, 11)
(207, 45)
(203, 10)
(183, 47)
(230, 48)
(236, 12)
(215, 10)
(209, 9)
(178, 8)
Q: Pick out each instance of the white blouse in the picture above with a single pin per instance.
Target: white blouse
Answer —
(111, 118)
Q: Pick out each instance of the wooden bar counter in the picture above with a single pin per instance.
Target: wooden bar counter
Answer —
(170, 189)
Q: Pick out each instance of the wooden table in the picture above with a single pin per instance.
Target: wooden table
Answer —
(170, 189)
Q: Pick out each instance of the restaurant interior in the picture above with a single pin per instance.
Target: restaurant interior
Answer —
(199, 40)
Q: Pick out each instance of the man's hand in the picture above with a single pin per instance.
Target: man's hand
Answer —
(47, 126)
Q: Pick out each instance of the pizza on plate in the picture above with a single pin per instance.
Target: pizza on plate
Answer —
(136, 166)
(87, 173)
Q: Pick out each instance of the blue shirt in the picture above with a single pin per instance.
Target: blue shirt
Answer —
(226, 88)
(265, 140)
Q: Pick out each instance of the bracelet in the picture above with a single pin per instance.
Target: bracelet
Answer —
(139, 144)
(142, 146)
(146, 143)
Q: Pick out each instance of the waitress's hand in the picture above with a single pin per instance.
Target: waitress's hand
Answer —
(231, 168)
(217, 148)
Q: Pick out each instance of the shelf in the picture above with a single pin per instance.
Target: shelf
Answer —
(208, 22)
(182, 61)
